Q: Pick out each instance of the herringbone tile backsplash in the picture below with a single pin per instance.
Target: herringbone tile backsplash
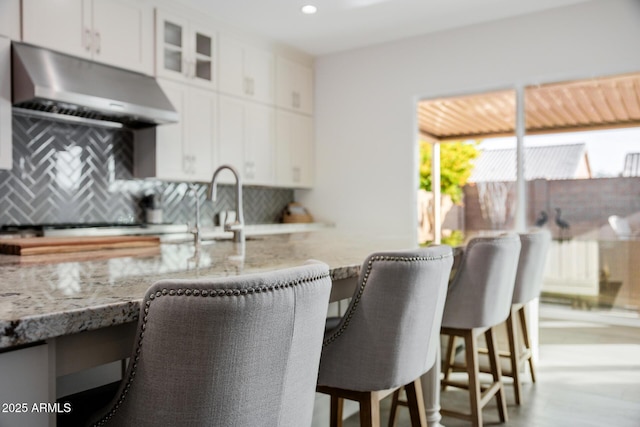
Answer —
(65, 172)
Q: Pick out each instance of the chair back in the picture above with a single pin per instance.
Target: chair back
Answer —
(481, 291)
(237, 351)
(389, 334)
(533, 258)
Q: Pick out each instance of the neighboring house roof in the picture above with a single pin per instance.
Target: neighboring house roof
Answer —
(551, 162)
(631, 164)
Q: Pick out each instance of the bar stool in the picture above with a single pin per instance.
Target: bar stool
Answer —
(533, 257)
(479, 298)
(241, 351)
(389, 334)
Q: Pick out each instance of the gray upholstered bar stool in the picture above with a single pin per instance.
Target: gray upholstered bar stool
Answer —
(533, 257)
(389, 334)
(239, 351)
(479, 298)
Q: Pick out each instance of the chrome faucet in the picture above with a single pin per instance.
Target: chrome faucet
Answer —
(193, 189)
(238, 226)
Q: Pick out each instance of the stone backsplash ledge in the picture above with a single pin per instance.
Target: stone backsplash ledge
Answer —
(65, 172)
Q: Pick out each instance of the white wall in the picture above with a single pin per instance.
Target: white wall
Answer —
(366, 151)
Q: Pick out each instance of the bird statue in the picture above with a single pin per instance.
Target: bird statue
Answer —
(542, 219)
(561, 223)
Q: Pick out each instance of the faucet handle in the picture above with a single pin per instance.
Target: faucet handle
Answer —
(233, 226)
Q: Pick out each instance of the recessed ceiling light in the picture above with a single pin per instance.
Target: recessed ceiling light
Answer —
(309, 9)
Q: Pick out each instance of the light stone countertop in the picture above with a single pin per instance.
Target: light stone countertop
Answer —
(44, 296)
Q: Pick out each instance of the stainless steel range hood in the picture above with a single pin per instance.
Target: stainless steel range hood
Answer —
(46, 82)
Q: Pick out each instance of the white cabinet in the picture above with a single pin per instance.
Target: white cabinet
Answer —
(294, 86)
(294, 124)
(5, 104)
(10, 19)
(185, 50)
(246, 71)
(27, 375)
(182, 151)
(115, 32)
(295, 150)
(246, 139)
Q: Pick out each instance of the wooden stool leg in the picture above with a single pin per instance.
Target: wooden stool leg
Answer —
(471, 351)
(415, 400)
(496, 372)
(370, 410)
(527, 341)
(393, 412)
(514, 355)
(337, 403)
(448, 359)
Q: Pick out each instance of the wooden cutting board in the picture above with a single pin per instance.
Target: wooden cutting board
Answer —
(56, 245)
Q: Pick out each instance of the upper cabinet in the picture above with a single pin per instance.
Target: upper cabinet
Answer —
(182, 151)
(246, 71)
(294, 86)
(185, 50)
(10, 19)
(246, 139)
(5, 104)
(115, 32)
(295, 150)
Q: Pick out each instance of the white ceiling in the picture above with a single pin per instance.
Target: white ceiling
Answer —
(347, 24)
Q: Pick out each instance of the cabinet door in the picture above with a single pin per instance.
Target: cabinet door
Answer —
(171, 49)
(259, 144)
(62, 25)
(294, 142)
(302, 151)
(27, 375)
(201, 66)
(200, 132)
(232, 78)
(184, 51)
(246, 71)
(6, 142)
(122, 34)
(294, 86)
(303, 92)
(10, 19)
(247, 139)
(259, 70)
(172, 161)
(231, 135)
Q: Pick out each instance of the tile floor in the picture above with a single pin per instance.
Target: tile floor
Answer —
(588, 375)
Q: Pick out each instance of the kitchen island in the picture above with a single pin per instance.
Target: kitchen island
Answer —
(70, 312)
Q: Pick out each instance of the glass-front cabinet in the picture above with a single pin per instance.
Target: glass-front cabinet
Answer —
(185, 50)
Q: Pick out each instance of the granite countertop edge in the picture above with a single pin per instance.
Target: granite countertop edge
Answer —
(43, 301)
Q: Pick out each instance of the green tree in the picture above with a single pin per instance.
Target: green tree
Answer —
(456, 165)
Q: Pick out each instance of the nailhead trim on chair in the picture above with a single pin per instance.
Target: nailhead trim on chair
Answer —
(195, 293)
(347, 317)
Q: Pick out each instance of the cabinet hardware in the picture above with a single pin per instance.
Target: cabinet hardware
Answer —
(97, 42)
(87, 39)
